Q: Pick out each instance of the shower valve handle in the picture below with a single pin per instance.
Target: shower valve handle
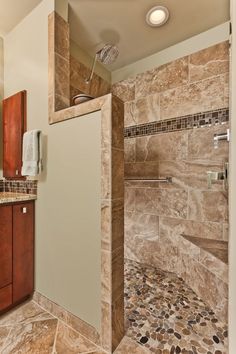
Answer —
(218, 176)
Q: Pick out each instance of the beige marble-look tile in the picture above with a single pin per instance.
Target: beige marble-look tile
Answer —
(163, 255)
(172, 146)
(165, 202)
(147, 109)
(101, 103)
(34, 337)
(117, 174)
(208, 230)
(178, 170)
(162, 78)
(117, 274)
(128, 346)
(61, 33)
(50, 306)
(142, 170)
(225, 79)
(143, 225)
(209, 62)
(129, 114)
(79, 73)
(98, 86)
(106, 275)
(196, 177)
(130, 150)
(24, 314)
(118, 328)
(218, 248)
(69, 341)
(106, 225)
(190, 174)
(166, 255)
(130, 198)
(61, 102)
(105, 174)
(117, 223)
(83, 328)
(208, 206)
(200, 144)
(125, 89)
(214, 294)
(196, 97)
(62, 76)
(215, 265)
(226, 232)
(4, 331)
(117, 123)
(51, 55)
(106, 326)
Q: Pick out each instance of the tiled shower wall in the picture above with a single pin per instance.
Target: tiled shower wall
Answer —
(156, 214)
(69, 75)
(78, 75)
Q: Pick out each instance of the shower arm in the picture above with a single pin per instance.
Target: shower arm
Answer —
(87, 81)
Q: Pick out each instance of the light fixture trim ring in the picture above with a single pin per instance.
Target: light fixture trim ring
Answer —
(157, 8)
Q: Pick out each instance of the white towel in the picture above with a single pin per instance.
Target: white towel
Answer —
(32, 153)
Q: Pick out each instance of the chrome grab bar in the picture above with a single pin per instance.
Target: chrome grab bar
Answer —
(165, 180)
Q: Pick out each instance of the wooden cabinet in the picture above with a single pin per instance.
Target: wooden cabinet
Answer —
(16, 253)
(14, 126)
(6, 297)
(5, 245)
(23, 250)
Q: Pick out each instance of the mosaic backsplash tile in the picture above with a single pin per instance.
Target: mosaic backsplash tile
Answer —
(16, 186)
(198, 120)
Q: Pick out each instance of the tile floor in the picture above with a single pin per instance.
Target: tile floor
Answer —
(163, 316)
(31, 330)
(166, 316)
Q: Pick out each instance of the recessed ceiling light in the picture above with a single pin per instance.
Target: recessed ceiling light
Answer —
(157, 16)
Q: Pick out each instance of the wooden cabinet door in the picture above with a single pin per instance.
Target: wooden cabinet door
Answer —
(5, 245)
(14, 126)
(23, 250)
(5, 297)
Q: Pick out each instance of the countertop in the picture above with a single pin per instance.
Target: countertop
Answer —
(11, 197)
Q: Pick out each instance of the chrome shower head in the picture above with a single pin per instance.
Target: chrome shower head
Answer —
(107, 55)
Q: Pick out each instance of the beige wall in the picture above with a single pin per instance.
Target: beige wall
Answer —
(62, 7)
(1, 97)
(64, 248)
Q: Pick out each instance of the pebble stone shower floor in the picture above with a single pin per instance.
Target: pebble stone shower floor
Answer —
(167, 317)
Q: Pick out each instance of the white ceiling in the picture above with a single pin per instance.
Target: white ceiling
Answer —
(122, 22)
(13, 11)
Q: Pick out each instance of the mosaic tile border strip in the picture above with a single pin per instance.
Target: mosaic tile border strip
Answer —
(197, 120)
(14, 186)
